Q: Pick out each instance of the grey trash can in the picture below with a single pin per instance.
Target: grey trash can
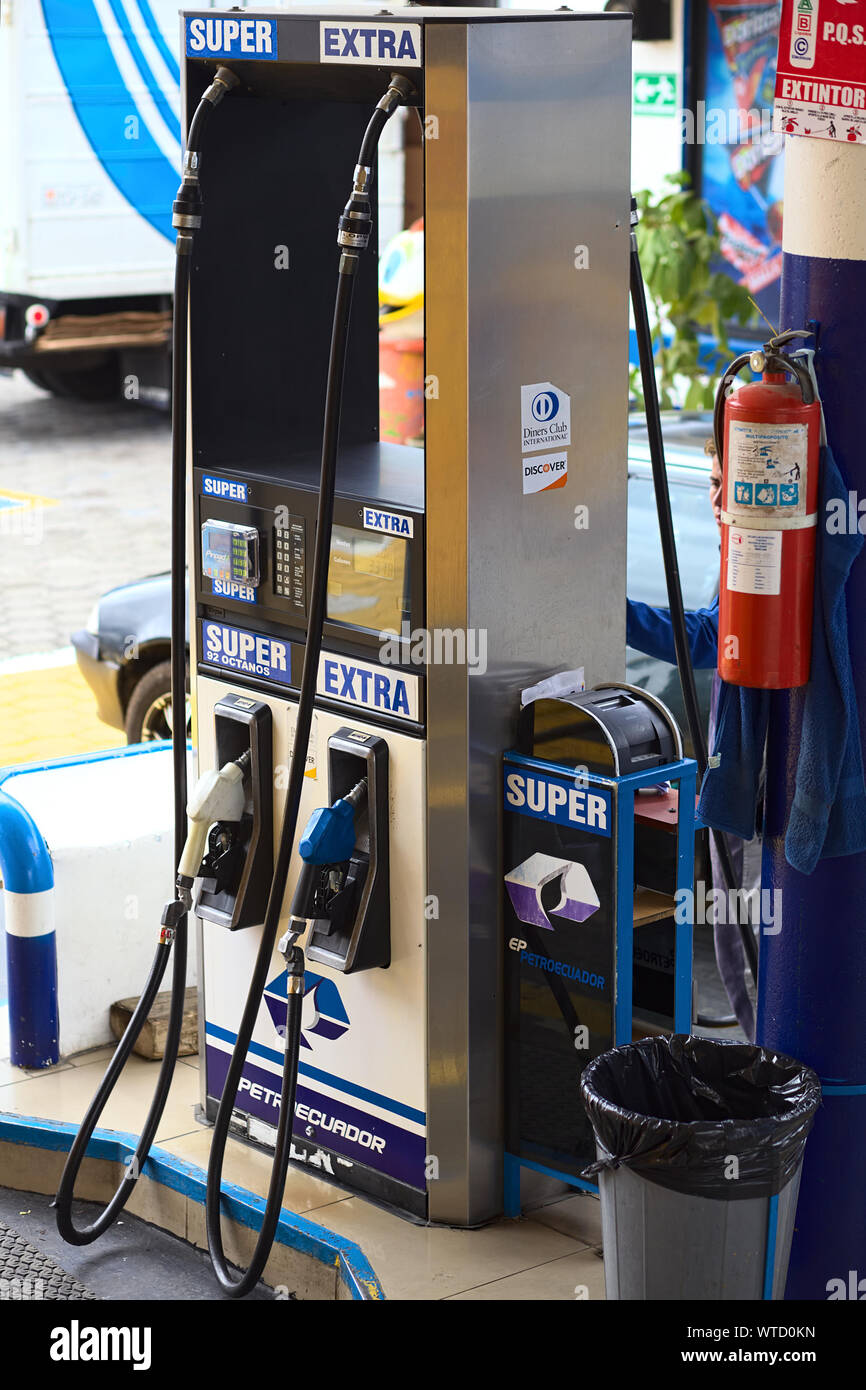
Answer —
(700, 1147)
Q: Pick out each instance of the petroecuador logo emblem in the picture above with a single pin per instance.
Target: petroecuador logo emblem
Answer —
(323, 1014)
(526, 884)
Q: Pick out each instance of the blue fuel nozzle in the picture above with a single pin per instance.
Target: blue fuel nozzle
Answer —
(329, 835)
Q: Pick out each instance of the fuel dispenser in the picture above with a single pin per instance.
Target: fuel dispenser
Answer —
(363, 614)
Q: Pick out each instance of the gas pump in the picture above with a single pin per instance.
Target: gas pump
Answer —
(363, 614)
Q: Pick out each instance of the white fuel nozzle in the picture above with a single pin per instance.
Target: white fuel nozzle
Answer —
(217, 796)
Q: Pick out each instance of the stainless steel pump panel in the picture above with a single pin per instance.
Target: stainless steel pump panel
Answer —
(509, 527)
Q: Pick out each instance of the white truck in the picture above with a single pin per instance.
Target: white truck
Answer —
(90, 157)
(90, 162)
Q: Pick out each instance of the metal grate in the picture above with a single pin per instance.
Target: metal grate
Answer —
(26, 1274)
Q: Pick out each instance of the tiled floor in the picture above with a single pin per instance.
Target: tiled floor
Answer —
(553, 1253)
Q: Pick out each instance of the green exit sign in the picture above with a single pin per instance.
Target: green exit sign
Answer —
(654, 94)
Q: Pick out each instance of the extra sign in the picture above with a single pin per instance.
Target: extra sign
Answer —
(372, 687)
(821, 70)
(390, 523)
(374, 44)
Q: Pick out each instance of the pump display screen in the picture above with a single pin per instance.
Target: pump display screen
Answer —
(368, 579)
(230, 553)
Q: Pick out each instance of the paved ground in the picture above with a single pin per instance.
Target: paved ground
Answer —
(50, 713)
(84, 506)
(131, 1261)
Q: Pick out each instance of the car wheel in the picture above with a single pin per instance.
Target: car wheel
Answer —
(149, 712)
(37, 378)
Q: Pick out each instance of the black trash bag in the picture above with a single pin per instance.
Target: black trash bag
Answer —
(676, 1109)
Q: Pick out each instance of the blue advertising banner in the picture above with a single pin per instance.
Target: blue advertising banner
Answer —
(741, 158)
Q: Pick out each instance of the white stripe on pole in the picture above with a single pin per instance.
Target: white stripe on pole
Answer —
(825, 200)
(29, 914)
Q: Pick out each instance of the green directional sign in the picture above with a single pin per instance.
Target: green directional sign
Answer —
(654, 94)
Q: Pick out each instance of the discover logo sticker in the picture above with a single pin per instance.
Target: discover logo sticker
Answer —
(544, 472)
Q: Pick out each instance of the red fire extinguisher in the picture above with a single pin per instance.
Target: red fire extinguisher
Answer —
(768, 436)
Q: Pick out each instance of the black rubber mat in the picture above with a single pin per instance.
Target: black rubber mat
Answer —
(132, 1260)
(26, 1273)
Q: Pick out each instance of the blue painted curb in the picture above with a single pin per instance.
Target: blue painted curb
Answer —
(239, 1205)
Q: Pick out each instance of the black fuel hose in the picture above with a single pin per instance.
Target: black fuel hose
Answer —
(672, 578)
(187, 210)
(355, 226)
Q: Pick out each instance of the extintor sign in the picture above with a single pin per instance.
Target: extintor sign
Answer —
(821, 70)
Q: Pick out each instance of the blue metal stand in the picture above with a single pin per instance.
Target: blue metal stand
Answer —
(623, 790)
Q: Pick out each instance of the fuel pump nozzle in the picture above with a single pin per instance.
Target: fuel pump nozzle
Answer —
(218, 800)
(331, 874)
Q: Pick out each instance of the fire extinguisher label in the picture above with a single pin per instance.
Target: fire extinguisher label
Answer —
(754, 561)
(766, 470)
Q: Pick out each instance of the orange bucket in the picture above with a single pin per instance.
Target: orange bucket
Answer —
(401, 390)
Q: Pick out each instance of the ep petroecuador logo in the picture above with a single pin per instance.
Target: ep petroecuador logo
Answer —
(323, 1014)
(374, 44)
(577, 896)
(231, 38)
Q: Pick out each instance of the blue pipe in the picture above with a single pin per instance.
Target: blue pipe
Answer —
(812, 983)
(31, 943)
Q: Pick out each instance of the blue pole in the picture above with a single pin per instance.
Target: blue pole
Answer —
(31, 953)
(812, 989)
